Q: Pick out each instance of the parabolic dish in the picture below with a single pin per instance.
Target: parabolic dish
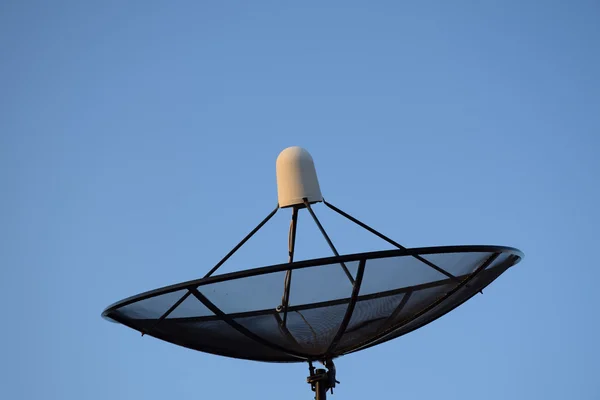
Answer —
(235, 314)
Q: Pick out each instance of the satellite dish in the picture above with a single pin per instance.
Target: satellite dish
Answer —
(313, 310)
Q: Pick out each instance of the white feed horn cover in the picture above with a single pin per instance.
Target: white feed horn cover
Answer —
(296, 178)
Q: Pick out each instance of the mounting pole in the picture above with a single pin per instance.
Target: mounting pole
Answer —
(322, 380)
(321, 385)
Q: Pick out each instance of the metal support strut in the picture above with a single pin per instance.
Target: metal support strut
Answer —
(326, 236)
(240, 244)
(321, 380)
(390, 241)
(288, 275)
(213, 270)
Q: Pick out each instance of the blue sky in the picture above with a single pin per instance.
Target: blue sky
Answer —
(138, 144)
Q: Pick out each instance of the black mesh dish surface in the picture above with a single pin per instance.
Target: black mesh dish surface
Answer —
(392, 293)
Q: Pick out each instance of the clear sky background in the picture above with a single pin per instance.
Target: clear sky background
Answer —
(138, 142)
